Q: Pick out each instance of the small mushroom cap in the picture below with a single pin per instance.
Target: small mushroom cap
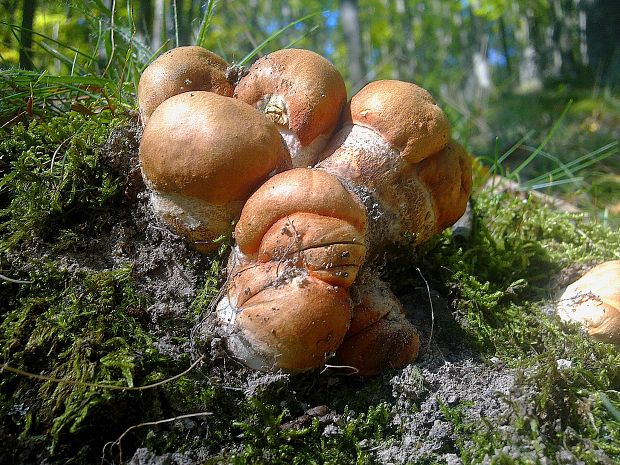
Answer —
(379, 337)
(372, 300)
(390, 343)
(296, 190)
(298, 89)
(181, 69)
(594, 301)
(444, 179)
(405, 115)
(213, 148)
(293, 322)
(448, 176)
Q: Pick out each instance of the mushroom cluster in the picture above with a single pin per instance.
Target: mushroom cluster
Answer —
(314, 187)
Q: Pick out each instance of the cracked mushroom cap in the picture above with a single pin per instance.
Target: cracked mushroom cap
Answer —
(300, 243)
(279, 318)
(293, 191)
(594, 302)
(404, 114)
(305, 218)
(181, 69)
(331, 249)
(300, 91)
(202, 155)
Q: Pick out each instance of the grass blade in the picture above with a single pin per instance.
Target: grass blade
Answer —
(552, 183)
(547, 138)
(101, 7)
(70, 62)
(274, 36)
(582, 162)
(516, 145)
(112, 39)
(302, 37)
(611, 408)
(15, 27)
(561, 172)
(206, 22)
(158, 52)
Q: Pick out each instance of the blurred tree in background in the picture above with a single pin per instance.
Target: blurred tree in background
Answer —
(473, 43)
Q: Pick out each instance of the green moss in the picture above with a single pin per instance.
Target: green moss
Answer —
(78, 326)
(194, 394)
(266, 439)
(557, 411)
(75, 327)
(54, 177)
(213, 277)
(85, 327)
(498, 278)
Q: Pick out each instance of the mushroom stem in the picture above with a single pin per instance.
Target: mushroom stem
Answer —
(395, 152)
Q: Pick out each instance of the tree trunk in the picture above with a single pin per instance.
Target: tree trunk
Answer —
(567, 49)
(349, 14)
(529, 72)
(145, 20)
(159, 24)
(563, 55)
(25, 40)
(583, 44)
(603, 39)
(10, 7)
(406, 44)
(504, 36)
(184, 16)
(478, 41)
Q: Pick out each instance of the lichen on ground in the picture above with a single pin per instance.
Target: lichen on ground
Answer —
(113, 297)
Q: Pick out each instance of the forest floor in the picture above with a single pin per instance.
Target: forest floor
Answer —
(110, 298)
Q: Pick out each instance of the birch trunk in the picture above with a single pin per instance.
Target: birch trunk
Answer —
(349, 14)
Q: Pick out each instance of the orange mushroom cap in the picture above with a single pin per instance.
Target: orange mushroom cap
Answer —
(283, 319)
(296, 190)
(395, 152)
(404, 114)
(594, 301)
(300, 91)
(181, 69)
(202, 155)
(379, 337)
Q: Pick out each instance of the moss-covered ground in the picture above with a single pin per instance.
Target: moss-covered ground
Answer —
(88, 325)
